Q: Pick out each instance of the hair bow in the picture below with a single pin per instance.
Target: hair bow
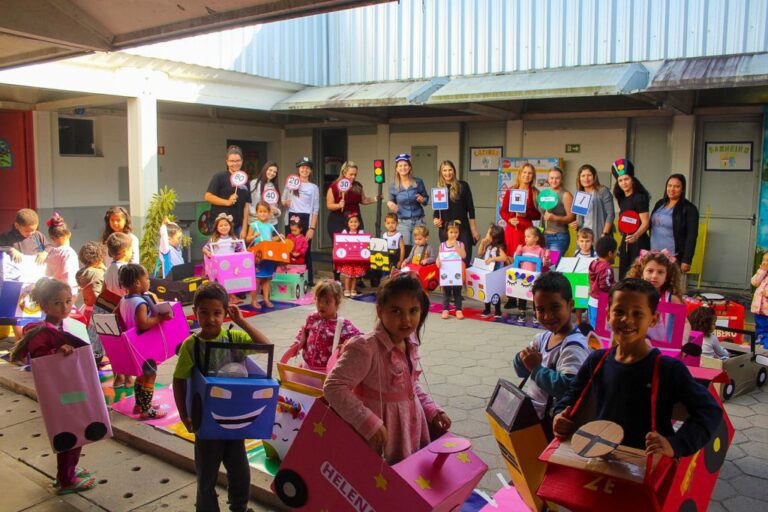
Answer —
(663, 252)
(55, 220)
(224, 216)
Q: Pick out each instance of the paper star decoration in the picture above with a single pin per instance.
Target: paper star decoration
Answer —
(463, 457)
(381, 482)
(319, 428)
(423, 483)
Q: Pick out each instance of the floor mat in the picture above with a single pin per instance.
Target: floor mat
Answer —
(469, 313)
(366, 297)
(163, 398)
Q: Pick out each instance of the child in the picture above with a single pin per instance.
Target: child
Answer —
(299, 243)
(601, 276)
(62, 263)
(317, 335)
(625, 377)
(534, 247)
(24, 238)
(394, 239)
(118, 220)
(120, 250)
(421, 252)
(222, 242)
(351, 272)
(760, 301)
(555, 356)
(493, 250)
(704, 319)
(584, 241)
(169, 249)
(262, 230)
(375, 384)
(452, 244)
(211, 306)
(659, 269)
(90, 279)
(46, 338)
(135, 309)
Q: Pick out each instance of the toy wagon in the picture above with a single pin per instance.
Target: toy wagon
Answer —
(484, 283)
(289, 283)
(428, 275)
(351, 248)
(231, 395)
(746, 368)
(331, 467)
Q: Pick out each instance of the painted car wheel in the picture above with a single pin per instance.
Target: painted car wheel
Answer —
(64, 441)
(298, 291)
(290, 488)
(431, 285)
(95, 431)
(728, 389)
(762, 375)
(688, 506)
(715, 450)
(470, 292)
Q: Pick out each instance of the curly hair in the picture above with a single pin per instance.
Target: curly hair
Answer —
(674, 282)
(91, 253)
(129, 274)
(701, 319)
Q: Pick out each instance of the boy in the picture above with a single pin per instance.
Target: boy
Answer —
(584, 243)
(120, 250)
(211, 306)
(555, 356)
(395, 243)
(24, 238)
(623, 377)
(90, 277)
(169, 250)
(601, 277)
(421, 253)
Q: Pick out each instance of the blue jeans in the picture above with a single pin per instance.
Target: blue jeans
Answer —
(592, 315)
(761, 329)
(405, 226)
(558, 242)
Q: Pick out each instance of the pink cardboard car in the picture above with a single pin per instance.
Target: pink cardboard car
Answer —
(330, 467)
(236, 272)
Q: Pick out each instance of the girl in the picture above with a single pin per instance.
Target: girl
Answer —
(303, 206)
(760, 301)
(352, 271)
(46, 338)
(317, 336)
(534, 247)
(375, 384)
(261, 230)
(135, 310)
(222, 242)
(299, 251)
(266, 180)
(62, 263)
(452, 244)
(631, 196)
(118, 220)
(704, 319)
(493, 250)
(659, 269)
(518, 223)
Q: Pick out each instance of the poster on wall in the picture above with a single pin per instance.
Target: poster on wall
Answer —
(728, 156)
(508, 168)
(485, 158)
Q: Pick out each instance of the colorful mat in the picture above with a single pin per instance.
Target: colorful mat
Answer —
(279, 306)
(163, 400)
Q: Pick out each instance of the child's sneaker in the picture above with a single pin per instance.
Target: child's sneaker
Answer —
(153, 414)
(79, 485)
(459, 315)
(445, 314)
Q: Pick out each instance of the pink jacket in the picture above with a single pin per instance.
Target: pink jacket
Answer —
(536, 252)
(400, 404)
(760, 298)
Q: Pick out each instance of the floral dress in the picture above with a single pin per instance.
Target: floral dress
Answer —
(319, 333)
(353, 269)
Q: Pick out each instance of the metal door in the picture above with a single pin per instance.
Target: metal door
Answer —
(16, 165)
(733, 201)
(424, 160)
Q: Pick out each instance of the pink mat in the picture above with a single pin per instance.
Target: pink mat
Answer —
(163, 398)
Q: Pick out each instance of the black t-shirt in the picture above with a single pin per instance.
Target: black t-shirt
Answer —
(220, 186)
(462, 209)
(637, 202)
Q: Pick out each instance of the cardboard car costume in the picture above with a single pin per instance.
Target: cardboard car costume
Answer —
(484, 283)
(351, 248)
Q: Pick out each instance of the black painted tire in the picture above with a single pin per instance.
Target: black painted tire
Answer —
(291, 488)
(762, 376)
(728, 389)
(716, 449)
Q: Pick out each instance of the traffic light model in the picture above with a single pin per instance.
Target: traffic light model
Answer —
(378, 171)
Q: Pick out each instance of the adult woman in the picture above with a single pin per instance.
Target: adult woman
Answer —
(225, 198)
(461, 207)
(631, 196)
(517, 223)
(557, 219)
(675, 223)
(266, 180)
(601, 213)
(303, 205)
(341, 204)
(407, 197)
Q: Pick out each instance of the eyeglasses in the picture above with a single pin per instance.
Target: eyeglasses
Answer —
(234, 161)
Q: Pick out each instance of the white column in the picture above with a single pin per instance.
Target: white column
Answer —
(382, 147)
(514, 138)
(683, 138)
(43, 123)
(142, 156)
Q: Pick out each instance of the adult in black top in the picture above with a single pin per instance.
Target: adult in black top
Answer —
(685, 220)
(223, 197)
(461, 207)
(631, 195)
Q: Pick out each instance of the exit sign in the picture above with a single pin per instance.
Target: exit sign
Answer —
(573, 148)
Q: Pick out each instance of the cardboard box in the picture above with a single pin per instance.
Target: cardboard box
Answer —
(484, 283)
(576, 270)
(349, 248)
(428, 275)
(451, 269)
(235, 272)
(288, 286)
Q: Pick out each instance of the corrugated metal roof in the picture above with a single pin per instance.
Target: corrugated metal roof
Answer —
(711, 72)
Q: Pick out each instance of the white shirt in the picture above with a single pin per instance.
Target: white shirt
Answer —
(308, 200)
(393, 241)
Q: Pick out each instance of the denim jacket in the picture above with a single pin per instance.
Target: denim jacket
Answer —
(405, 198)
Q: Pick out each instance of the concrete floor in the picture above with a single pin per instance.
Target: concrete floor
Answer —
(462, 362)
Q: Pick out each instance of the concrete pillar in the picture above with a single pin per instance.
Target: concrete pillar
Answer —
(142, 156)
(514, 139)
(43, 123)
(682, 142)
(382, 146)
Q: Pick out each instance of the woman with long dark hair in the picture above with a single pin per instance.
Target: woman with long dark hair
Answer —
(675, 223)
(461, 207)
(601, 212)
(631, 196)
(266, 180)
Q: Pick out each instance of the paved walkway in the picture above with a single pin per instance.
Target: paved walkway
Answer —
(463, 361)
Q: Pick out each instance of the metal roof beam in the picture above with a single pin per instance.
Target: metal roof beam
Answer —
(347, 116)
(489, 111)
(678, 102)
(94, 100)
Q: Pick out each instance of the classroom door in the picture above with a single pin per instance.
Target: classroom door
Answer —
(732, 198)
(16, 165)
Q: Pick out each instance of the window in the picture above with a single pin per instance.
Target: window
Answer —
(76, 136)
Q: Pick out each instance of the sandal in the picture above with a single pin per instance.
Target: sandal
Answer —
(118, 382)
(137, 407)
(80, 484)
(268, 305)
(153, 414)
(255, 305)
(80, 472)
(347, 293)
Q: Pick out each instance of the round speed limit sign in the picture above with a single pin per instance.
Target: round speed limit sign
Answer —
(293, 182)
(270, 196)
(344, 185)
(238, 179)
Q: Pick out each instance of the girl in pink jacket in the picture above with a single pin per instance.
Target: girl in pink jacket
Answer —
(375, 384)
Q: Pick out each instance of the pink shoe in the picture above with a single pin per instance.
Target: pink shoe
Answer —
(459, 315)
(445, 314)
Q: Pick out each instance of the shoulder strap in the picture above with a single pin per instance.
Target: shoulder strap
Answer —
(586, 389)
(337, 333)
(654, 398)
